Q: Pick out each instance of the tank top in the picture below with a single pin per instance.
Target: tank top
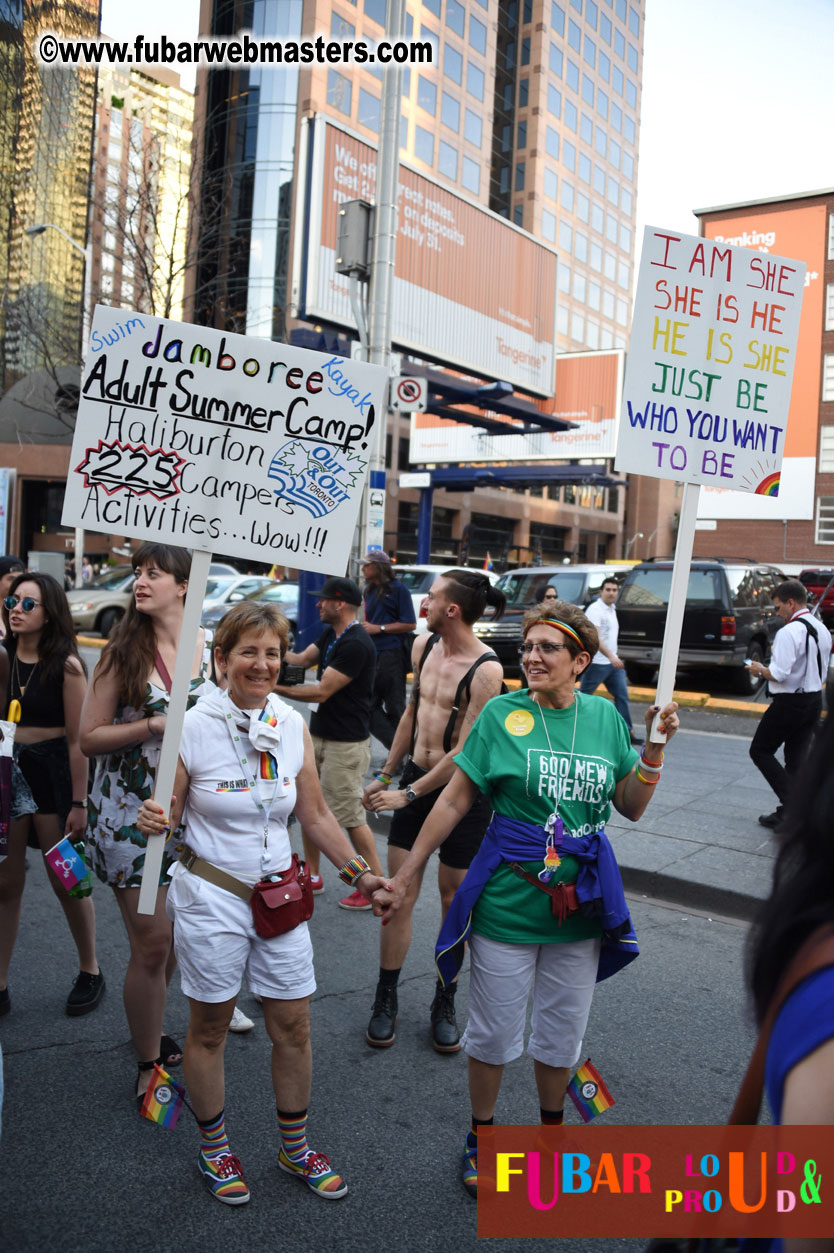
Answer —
(41, 704)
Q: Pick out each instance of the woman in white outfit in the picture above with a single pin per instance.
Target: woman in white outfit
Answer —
(246, 763)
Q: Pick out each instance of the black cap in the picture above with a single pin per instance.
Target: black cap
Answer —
(339, 589)
(9, 564)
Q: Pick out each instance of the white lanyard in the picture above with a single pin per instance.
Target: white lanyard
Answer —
(254, 785)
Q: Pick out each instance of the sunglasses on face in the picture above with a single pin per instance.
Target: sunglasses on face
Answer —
(27, 604)
(545, 648)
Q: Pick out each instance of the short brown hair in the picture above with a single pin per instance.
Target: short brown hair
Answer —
(791, 589)
(573, 617)
(250, 615)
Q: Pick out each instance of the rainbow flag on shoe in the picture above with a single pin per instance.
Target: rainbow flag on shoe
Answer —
(588, 1092)
(163, 1100)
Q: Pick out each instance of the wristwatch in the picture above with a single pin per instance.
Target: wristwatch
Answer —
(382, 626)
(410, 795)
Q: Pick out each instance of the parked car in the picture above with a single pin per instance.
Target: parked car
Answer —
(524, 588)
(729, 618)
(418, 581)
(817, 582)
(224, 590)
(99, 604)
(285, 595)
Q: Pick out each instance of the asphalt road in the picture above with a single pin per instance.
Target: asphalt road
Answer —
(80, 1169)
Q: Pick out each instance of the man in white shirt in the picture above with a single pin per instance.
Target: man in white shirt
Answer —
(606, 666)
(796, 675)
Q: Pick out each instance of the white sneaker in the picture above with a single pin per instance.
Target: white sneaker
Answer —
(240, 1022)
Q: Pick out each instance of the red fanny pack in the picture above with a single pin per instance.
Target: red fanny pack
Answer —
(282, 901)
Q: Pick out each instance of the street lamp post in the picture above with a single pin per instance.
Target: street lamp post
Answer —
(637, 535)
(39, 229)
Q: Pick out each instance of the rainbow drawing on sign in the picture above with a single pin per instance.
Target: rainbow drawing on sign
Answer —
(769, 486)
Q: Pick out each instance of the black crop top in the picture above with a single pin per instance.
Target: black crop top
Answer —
(42, 705)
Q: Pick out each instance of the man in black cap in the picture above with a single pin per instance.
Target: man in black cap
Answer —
(390, 621)
(340, 717)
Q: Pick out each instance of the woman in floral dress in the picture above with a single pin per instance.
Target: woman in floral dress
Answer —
(122, 724)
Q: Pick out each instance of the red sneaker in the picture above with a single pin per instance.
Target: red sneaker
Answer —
(355, 901)
(317, 884)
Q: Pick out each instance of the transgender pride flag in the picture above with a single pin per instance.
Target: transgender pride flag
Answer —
(67, 863)
(588, 1092)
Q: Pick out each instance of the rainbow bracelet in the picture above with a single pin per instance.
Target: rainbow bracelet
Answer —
(353, 870)
(382, 777)
(649, 782)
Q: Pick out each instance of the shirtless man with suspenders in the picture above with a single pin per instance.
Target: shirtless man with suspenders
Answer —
(455, 674)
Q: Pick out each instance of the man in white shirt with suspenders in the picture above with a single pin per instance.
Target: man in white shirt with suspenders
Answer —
(796, 675)
(455, 674)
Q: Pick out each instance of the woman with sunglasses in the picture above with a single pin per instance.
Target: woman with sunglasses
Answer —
(542, 904)
(47, 678)
(122, 724)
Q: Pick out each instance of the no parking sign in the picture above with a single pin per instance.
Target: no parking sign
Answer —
(409, 395)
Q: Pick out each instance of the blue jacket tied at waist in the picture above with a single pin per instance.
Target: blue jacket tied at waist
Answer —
(599, 891)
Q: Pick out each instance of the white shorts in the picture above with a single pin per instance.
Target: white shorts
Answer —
(216, 944)
(562, 977)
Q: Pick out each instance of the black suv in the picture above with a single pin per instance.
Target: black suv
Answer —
(729, 618)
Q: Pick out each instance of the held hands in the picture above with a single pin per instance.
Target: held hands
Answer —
(152, 819)
(388, 898)
(377, 800)
(368, 884)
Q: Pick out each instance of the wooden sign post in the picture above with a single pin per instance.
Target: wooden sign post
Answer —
(708, 383)
(218, 443)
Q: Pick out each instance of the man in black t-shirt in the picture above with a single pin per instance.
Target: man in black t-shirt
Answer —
(340, 718)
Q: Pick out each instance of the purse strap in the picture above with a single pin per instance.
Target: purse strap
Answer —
(815, 954)
(162, 671)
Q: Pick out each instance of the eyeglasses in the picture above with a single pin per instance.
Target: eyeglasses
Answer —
(27, 604)
(544, 646)
(550, 596)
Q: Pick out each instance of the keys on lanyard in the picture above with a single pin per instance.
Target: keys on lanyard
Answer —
(552, 861)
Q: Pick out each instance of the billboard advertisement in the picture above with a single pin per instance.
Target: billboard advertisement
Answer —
(588, 390)
(798, 232)
(470, 289)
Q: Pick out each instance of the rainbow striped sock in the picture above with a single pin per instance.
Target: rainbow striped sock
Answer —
(215, 1142)
(293, 1128)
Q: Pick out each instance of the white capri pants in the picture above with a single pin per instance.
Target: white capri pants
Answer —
(562, 977)
(216, 944)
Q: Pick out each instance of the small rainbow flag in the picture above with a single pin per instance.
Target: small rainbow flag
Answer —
(163, 1100)
(589, 1093)
(269, 766)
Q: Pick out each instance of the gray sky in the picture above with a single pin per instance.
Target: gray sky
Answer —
(737, 97)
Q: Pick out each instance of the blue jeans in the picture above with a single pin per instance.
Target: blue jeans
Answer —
(614, 680)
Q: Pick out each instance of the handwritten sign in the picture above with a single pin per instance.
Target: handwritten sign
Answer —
(710, 363)
(221, 442)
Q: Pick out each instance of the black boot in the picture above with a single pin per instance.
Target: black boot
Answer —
(380, 1033)
(445, 1036)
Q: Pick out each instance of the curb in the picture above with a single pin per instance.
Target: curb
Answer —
(707, 897)
(90, 641)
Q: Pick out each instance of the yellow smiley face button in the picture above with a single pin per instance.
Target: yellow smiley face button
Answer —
(519, 722)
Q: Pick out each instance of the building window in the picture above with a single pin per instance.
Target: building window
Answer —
(598, 218)
(565, 238)
(587, 90)
(471, 175)
(831, 237)
(632, 59)
(579, 287)
(580, 247)
(562, 320)
(825, 520)
(634, 22)
(447, 161)
(577, 328)
(525, 50)
(631, 93)
(453, 64)
(554, 101)
(423, 145)
(556, 60)
(604, 67)
(826, 465)
(450, 112)
(549, 229)
(338, 92)
(572, 75)
(522, 135)
(602, 104)
(551, 142)
(426, 95)
(829, 307)
(583, 207)
(622, 312)
(569, 157)
(340, 28)
(590, 52)
(574, 36)
(567, 196)
(551, 183)
(477, 35)
(474, 81)
(594, 295)
(585, 168)
(518, 214)
(563, 278)
(455, 16)
(368, 110)
(472, 128)
(571, 116)
(828, 376)
(557, 18)
(591, 14)
(519, 176)
(375, 10)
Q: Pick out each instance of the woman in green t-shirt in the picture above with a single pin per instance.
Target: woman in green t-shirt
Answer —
(542, 904)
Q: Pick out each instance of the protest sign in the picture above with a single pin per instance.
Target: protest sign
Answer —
(217, 442)
(708, 382)
(710, 363)
(193, 437)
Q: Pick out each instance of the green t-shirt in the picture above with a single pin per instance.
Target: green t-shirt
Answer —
(508, 757)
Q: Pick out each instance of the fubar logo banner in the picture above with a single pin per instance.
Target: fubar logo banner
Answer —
(644, 1181)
